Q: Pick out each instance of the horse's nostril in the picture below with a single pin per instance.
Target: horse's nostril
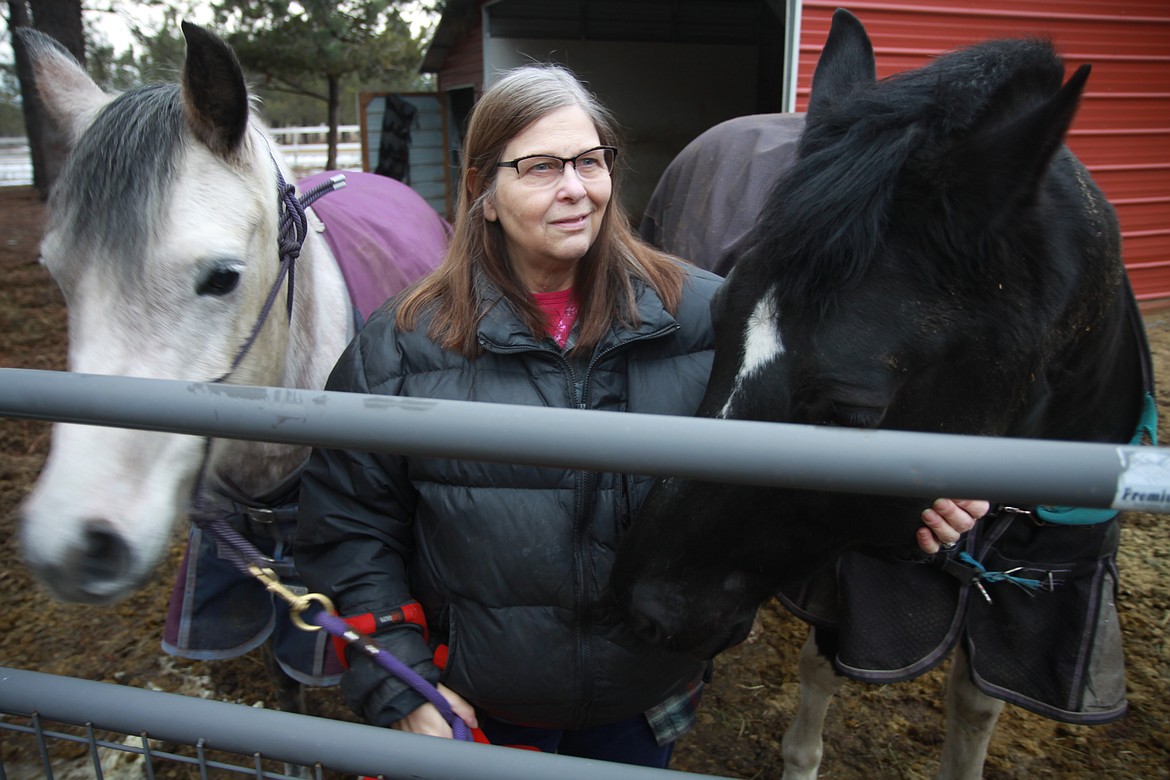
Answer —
(105, 555)
(647, 628)
(651, 632)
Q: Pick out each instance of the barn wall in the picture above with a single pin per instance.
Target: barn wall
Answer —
(1122, 132)
(463, 66)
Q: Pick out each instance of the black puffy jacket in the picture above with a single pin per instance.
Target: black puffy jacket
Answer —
(506, 560)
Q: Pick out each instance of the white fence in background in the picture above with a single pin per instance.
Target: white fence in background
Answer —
(15, 162)
(304, 148)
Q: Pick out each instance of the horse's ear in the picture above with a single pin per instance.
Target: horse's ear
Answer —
(70, 96)
(215, 95)
(846, 64)
(1008, 161)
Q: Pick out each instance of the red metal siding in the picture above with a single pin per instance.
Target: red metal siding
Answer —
(1122, 131)
(463, 65)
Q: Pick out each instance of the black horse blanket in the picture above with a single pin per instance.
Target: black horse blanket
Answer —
(1054, 648)
(704, 204)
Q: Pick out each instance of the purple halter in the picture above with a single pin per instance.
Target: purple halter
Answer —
(294, 228)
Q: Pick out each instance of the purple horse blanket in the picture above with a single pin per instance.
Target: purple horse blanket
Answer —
(384, 237)
(383, 234)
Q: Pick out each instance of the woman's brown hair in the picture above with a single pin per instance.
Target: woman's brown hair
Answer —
(508, 107)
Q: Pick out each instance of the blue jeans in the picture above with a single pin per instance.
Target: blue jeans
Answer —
(628, 742)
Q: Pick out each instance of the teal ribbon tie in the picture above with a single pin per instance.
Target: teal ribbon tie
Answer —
(983, 575)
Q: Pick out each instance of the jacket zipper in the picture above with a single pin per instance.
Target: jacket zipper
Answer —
(583, 506)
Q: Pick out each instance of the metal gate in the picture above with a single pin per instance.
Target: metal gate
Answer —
(184, 736)
(217, 739)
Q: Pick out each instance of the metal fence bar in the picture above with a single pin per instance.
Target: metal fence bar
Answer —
(1025, 471)
(70, 766)
(45, 738)
(298, 739)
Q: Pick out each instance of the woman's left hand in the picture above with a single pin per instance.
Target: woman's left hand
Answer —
(428, 720)
(946, 520)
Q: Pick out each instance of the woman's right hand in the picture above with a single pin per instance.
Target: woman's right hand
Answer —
(946, 520)
(428, 720)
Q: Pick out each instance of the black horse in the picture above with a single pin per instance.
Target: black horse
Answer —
(936, 260)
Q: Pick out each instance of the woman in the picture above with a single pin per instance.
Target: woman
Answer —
(545, 298)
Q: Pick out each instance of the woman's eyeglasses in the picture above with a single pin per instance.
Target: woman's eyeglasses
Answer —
(591, 164)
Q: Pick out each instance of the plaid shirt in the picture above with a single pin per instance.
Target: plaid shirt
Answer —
(676, 716)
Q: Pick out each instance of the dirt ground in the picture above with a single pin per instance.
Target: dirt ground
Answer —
(882, 731)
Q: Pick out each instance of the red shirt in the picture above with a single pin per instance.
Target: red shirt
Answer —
(560, 312)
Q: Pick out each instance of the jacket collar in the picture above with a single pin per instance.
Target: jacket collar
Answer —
(500, 329)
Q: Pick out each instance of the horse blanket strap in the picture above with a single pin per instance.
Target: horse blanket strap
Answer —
(273, 517)
(254, 524)
(969, 571)
(268, 522)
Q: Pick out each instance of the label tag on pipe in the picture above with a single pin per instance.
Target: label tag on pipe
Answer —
(1144, 481)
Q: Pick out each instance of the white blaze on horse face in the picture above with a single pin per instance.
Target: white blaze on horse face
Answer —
(761, 345)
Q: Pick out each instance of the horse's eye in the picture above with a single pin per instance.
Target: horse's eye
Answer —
(220, 281)
(856, 416)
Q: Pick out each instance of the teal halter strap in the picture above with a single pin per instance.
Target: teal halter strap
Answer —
(1147, 433)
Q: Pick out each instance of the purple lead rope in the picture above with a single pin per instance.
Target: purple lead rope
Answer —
(247, 558)
(339, 628)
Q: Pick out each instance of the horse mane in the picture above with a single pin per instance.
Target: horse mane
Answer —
(826, 219)
(116, 182)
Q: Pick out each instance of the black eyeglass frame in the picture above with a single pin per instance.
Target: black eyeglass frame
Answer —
(613, 151)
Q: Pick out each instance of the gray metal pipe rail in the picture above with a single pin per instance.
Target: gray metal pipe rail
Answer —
(1023, 471)
(297, 739)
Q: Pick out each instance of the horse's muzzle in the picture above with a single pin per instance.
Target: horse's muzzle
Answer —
(97, 571)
